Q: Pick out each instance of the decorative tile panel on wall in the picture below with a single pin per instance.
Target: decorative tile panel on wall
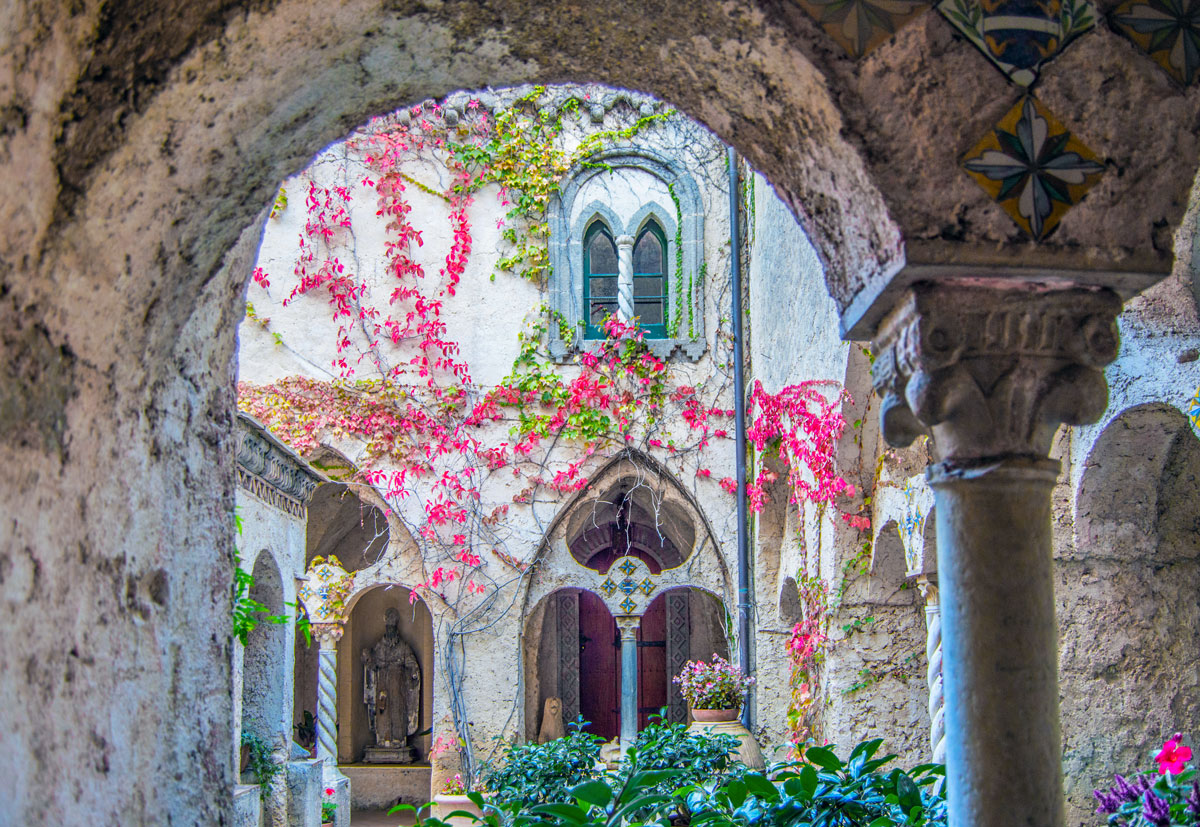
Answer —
(861, 25)
(1033, 167)
(1019, 36)
(1167, 30)
(1194, 411)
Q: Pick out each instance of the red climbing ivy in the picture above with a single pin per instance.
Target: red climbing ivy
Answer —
(436, 445)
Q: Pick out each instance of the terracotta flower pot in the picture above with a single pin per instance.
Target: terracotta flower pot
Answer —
(444, 804)
(715, 716)
(726, 721)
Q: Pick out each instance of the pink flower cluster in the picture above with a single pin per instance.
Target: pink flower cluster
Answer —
(716, 685)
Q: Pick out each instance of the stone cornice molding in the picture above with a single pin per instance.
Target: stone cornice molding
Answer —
(991, 369)
(271, 471)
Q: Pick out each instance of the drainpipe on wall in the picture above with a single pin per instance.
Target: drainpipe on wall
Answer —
(739, 407)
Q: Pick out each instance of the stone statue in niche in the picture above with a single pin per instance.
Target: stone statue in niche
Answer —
(392, 693)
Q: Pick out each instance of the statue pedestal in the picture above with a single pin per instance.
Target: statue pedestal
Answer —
(389, 755)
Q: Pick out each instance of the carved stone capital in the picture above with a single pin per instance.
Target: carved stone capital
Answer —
(327, 634)
(628, 625)
(991, 370)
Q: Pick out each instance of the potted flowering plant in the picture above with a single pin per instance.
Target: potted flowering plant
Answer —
(453, 805)
(715, 690)
(1170, 798)
(328, 808)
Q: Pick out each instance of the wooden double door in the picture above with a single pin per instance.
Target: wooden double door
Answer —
(663, 642)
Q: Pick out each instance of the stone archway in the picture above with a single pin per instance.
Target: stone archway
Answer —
(264, 669)
(1128, 613)
(143, 144)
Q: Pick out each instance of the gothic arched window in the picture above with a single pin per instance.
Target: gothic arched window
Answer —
(600, 275)
(650, 281)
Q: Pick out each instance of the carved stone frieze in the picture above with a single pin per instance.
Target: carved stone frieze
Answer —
(271, 471)
(991, 370)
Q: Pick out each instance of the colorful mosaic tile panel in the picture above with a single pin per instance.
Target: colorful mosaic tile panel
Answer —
(323, 582)
(629, 567)
(608, 586)
(1019, 36)
(1194, 410)
(1167, 30)
(647, 587)
(861, 25)
(627, 606)
(1033, 167)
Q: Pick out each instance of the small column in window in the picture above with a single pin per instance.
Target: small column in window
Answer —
(625, 277)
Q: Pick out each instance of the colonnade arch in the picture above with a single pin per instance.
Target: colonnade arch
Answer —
(268, 88)
(264, 660)
(1129, 611)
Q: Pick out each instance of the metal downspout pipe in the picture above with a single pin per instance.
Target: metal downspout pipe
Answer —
(744, 605)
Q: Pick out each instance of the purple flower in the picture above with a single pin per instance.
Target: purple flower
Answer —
(1155, 810)
(1109, 802)
(1193, 801)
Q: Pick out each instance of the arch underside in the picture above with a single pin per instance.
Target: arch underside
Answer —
(145, 149)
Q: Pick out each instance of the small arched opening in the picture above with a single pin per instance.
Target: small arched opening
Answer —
(1128, 612)
(370, 613)
(264, 663)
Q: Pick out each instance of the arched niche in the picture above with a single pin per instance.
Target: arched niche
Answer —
(572, 652)
(264, 663)
(679, 625)
(342, 525)
(635, 508)
(1127, 595)
(887, 582)
(367, 610)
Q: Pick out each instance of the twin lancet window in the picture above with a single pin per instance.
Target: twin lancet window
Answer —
(625, 278)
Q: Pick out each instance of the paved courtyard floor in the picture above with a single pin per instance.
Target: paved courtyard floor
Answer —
(380, 818)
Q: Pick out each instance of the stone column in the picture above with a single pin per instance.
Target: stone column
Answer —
(625, 277)
(990, 369)
(327, 635)
(933, 672)
(628, 624)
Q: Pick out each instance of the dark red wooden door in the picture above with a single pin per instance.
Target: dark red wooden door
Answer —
(652, 663)
(599, 667)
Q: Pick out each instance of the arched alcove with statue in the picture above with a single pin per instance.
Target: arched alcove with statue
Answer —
(385, 681)
(351, 533)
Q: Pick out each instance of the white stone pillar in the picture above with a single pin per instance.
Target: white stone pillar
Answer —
(628, 624)
(625, 277)
(991, 369)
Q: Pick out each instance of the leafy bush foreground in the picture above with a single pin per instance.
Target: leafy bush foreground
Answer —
(673, 777)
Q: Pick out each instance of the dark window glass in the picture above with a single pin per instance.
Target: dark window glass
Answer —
(604, 286)
(649, 312)
(648, 253)
(602, 254)
(601, 311)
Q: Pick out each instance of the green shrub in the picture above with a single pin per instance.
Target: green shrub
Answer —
(698, 757)
(531, 774)
(825, 791)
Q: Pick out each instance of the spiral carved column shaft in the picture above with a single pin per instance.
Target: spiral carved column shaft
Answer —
(990, 369)
(933, 674)
(327, 636)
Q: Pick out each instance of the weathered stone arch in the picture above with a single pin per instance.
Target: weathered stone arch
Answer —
(144, 142)
(264, 669)
(1128, 614)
